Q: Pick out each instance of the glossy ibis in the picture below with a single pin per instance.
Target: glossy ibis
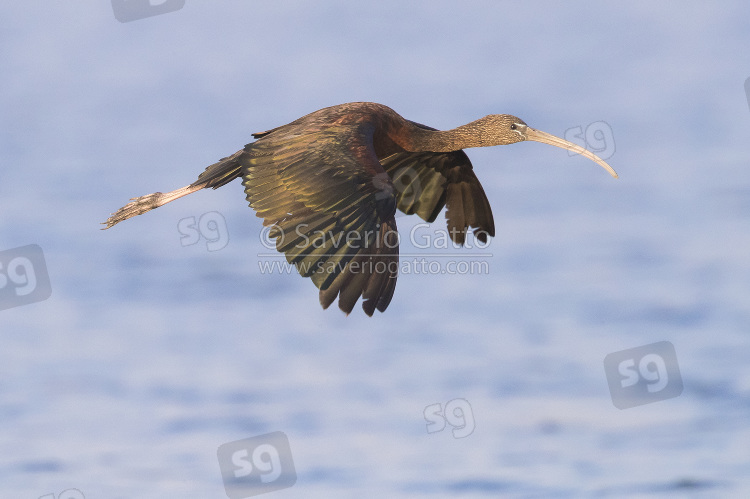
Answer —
(330, 182)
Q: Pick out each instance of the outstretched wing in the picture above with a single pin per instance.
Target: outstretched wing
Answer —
(330, 206)
(425, 182)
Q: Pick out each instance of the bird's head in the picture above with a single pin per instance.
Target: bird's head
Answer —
(501, 129)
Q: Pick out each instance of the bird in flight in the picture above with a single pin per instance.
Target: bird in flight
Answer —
(329, 183)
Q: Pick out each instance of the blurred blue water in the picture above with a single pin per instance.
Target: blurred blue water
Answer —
(149, 355)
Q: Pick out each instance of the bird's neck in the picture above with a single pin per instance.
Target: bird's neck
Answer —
(420, 139)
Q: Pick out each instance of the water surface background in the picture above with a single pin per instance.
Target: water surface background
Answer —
(149, 354)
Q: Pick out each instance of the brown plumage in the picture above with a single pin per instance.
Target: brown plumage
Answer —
(328, 184)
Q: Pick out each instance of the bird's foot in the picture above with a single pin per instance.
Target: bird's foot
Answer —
(137, 206)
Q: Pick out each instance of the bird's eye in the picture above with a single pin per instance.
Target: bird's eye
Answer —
(513, 126)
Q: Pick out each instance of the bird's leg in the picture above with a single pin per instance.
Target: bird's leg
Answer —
(141, 205)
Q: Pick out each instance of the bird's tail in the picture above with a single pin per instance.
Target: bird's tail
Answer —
(216, 175)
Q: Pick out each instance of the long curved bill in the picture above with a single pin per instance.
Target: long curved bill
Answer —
(546, 138)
